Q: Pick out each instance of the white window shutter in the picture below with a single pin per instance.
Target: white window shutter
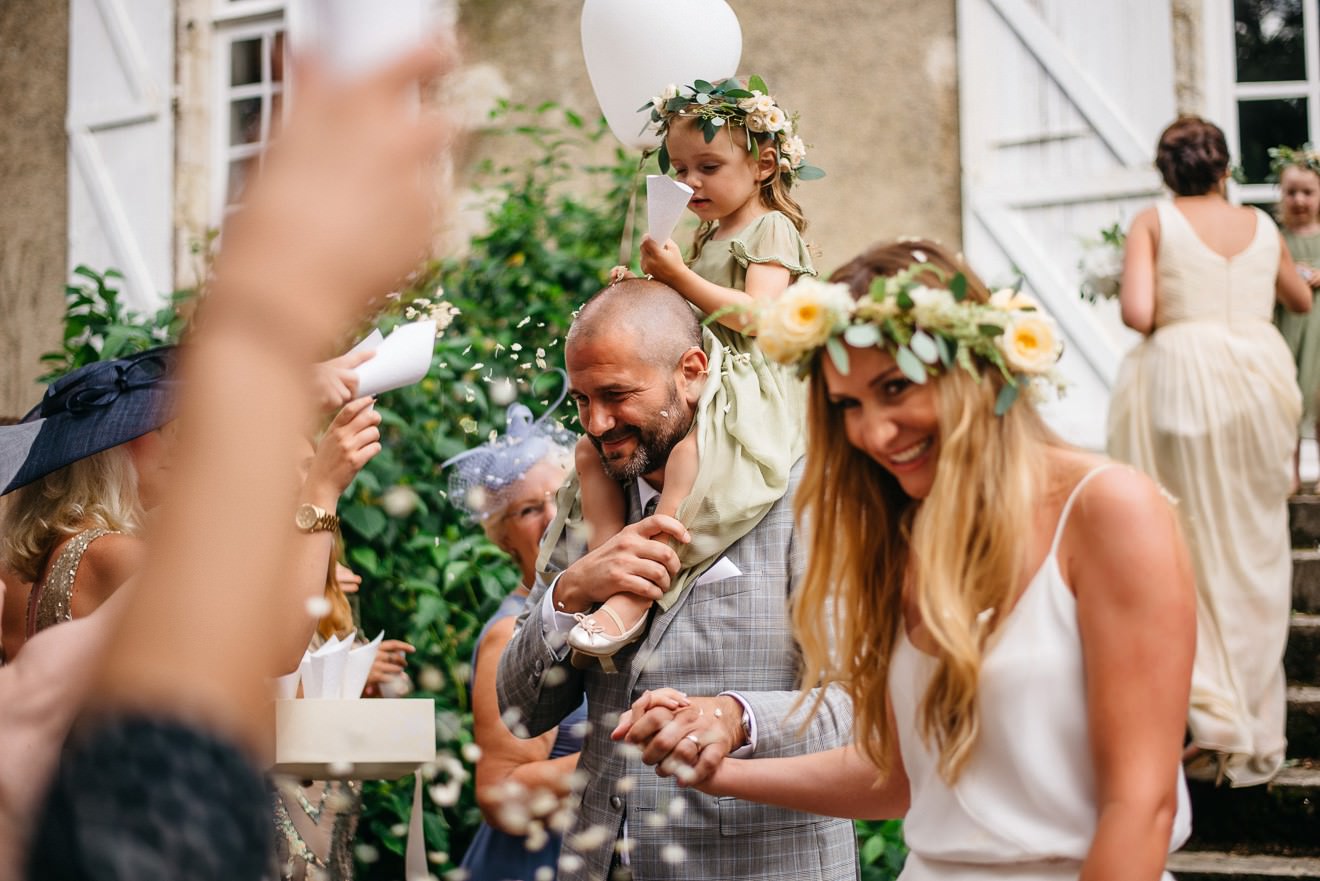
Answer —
(1061, 103)
(121, 142)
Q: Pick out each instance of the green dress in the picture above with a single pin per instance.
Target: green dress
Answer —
(1303, 332)
(750, 417)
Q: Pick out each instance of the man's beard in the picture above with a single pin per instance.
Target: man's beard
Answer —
(654, 441)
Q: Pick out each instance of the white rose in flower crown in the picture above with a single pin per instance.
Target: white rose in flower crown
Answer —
(802, 319)
(749, 104)
(775, 119)
(1013, 301)
(1030, 343)
(757, 122)
(764, 103)
(931, 306)
(659, 101)
(795, 151)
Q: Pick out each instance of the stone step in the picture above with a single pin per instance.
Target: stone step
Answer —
(1304, 724)
(1302, 660)
(1304, 520)
(1281, 818)
(1306, 580)
(1216, 866)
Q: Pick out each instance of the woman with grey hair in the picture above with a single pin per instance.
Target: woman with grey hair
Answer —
(508, 486)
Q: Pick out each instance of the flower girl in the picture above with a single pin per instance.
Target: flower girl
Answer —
(740, 153)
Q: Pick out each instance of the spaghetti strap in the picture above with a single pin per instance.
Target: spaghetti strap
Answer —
(1072, 497)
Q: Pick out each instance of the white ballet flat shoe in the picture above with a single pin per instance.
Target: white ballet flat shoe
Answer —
(589, 638)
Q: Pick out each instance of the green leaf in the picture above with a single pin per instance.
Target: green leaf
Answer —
(861, 335)
(367, 521)
(649, 105)
(709, 130)
(838, 354)
(662, 157)
(703, 88)
(737, 94)
(673, 105)
(958, 287)
(756, 84)
(924, 347)
(1007, 395)
(948, 349)
(810, 172)
(910, 364)
(990, 330)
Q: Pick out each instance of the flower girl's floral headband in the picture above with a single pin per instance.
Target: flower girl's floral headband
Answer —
(1304, 157)
(717, 105)
(925, 328)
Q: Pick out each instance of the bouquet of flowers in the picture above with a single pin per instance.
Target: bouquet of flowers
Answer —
(1102, 264)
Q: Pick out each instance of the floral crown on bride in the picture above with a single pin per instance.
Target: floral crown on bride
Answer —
(927, 329)
(715, 105)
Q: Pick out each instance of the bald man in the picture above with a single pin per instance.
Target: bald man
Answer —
(637, 363)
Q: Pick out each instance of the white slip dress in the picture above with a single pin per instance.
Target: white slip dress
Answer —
(1025, 804)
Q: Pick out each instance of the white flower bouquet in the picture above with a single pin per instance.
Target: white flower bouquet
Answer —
(1102, 265)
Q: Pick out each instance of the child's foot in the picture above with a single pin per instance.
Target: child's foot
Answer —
(603, 632)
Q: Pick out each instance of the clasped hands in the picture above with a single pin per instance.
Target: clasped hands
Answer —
(683, 737)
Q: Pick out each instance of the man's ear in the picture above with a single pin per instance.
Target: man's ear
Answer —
(692, 369)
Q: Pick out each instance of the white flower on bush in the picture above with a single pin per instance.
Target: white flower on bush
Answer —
(1030, 343)
(399, 500)
(802, 319)
(932, 307)
(795, 151)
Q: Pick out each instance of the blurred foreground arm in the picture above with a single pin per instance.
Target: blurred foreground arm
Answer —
(341, 211)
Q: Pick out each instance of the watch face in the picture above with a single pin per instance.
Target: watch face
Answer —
(305, 517)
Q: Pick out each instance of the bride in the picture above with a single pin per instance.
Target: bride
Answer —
(1013, 618)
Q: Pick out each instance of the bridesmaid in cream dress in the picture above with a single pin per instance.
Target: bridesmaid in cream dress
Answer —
(1208, 405)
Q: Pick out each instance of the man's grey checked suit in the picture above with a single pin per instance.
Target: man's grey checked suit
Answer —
(728, 635)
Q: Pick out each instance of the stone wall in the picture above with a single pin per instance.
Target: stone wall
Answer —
(875, 84)
(34, 48)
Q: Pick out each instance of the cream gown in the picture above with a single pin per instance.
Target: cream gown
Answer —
(1208, 406)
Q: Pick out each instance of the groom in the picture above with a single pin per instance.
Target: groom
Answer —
(636, 367)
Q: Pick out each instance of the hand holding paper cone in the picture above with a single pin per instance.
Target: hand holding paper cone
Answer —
(666, 200)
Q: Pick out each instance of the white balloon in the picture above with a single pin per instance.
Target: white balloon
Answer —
(634, 48)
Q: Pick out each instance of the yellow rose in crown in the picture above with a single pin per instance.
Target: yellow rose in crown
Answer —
(1030, 343)
(1012, 301)
(802, 319)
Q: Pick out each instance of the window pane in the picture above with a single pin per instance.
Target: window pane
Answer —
(1269, 37)
(245, 121)
(1265, 124)
(237, 177)
(245, 62)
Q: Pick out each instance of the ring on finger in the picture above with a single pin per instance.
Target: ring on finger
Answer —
(694, 739)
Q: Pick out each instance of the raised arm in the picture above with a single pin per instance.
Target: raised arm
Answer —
(1137, 294)
(1136, 611)
(764, 281)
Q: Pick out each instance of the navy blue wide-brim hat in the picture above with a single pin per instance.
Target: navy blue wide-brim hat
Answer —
(86, 411)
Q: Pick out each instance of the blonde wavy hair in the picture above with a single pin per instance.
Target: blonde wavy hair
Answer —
(339, 620)
(774, 192)
(959, 551)
(100, 491)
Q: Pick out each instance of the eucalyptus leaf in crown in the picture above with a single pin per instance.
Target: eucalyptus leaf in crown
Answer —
(927, 329)
(716, 105)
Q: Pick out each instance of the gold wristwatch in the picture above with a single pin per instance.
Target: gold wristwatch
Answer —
(309, 518)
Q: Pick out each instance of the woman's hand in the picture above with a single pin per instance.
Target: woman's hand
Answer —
(349, 581)
(663, 262)
(348, 444)
(391, 660)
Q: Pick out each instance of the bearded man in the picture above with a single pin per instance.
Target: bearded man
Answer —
(637, 365)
